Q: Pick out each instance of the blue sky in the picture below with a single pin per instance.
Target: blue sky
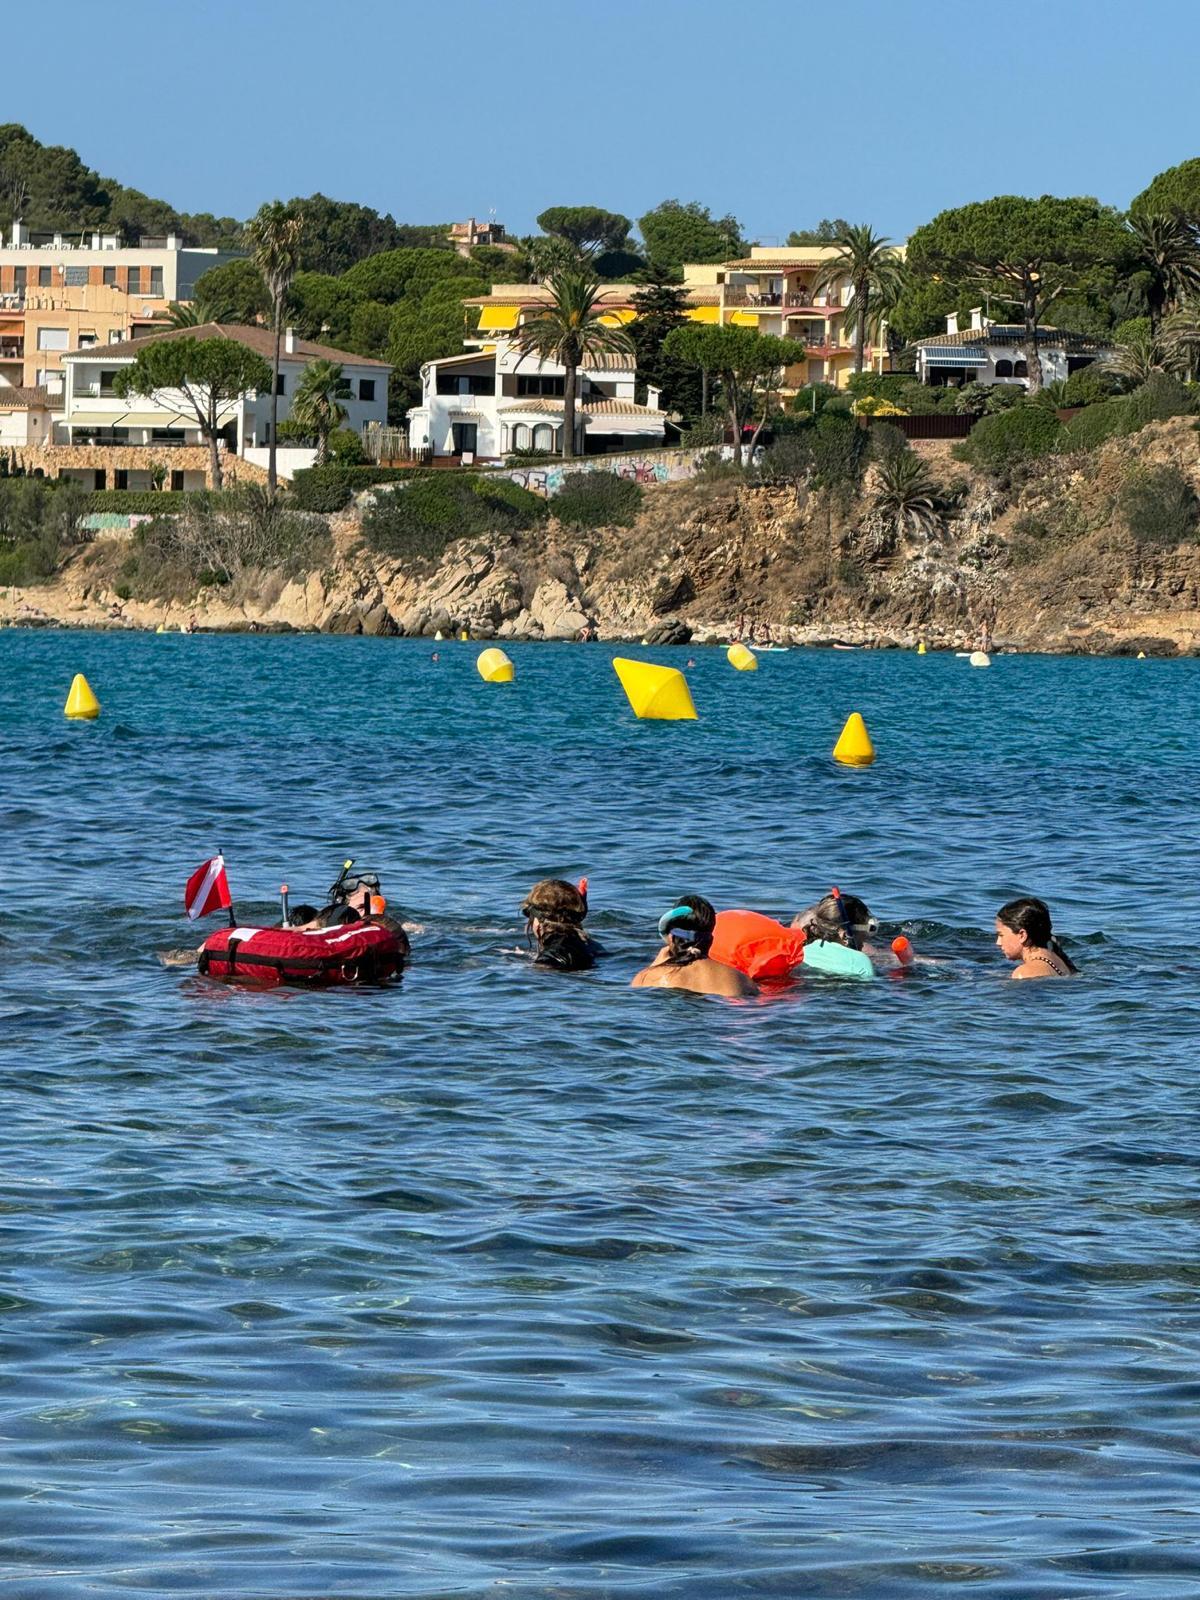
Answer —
(881, 111)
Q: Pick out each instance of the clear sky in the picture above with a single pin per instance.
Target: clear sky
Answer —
(782, 112)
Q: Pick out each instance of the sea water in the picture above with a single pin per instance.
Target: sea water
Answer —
(499, 1281)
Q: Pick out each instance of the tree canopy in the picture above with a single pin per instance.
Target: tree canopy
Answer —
(674, 233)
(1175, 192)
(588, 228)
(825, 232)
(339, 233)
(748, 366)
(234, 292)
(394, 275)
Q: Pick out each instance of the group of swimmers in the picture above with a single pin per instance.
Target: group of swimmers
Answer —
(555, 912)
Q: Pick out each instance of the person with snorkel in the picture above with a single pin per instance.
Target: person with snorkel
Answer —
(353, 897)
(684, 962)
(554, 912)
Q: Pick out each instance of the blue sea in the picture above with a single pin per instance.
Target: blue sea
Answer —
(499, 1282)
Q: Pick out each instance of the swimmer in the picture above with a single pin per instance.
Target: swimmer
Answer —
(350, 901)
(684, 961)
(825, 915)
(435, 656)
(1023, 935)
(554, 911)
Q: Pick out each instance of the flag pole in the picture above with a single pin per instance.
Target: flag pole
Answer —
(229, 908)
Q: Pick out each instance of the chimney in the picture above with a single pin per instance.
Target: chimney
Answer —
(952, 322)
(20, 234)
(172, 241)
(653, 397)
(289, 341)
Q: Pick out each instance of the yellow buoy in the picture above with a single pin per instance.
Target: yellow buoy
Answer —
(1141, 655)
(81, 702)
(494, 666)
(921, 648)
(979, 658)
(742, 658)
(854, 747)
(658, 692)
(464, 636)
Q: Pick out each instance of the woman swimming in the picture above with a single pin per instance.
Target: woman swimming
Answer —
(554, 911)
(684, 961)
(1023, 935)
(854, 917)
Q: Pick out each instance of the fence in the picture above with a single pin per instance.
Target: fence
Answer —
(939, 426)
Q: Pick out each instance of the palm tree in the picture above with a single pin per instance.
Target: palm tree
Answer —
(906, 498)
(182, 315)
(1168, 251)
(568, 329)
(274, 236)
(873, 267)
(316, 407)
(1138, 356)
(1181, 342)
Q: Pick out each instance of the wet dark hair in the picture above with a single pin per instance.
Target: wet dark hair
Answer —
(556, 903)
(689, 936)
(1031, 916)
(828, 921)
(302, 913)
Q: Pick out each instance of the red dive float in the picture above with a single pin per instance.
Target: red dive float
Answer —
(357, 953)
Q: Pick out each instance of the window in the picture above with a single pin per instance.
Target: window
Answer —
(19, 280)
(114, 336)
(1004, 369)
(135, 280)
(540, 385)
(120, 478)
(87, 340)
(543, 437)
(156, 281)
(44, 277)
(110, 277)
(366, 388)
(281, 383)
(454, 383)
(521, 437)
(53, 339)
(177, 480)
(76, 277)
(1020, 369)
(106, 381)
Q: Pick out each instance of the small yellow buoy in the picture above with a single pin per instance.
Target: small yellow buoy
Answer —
(1141, 655)
(742, 658)
(654, 692)
(464, 636)
(81, 702)
(854, 747)
(494, 666)
(979, 658)
(921, 648)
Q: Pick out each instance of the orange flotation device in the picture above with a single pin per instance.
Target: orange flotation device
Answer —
(757, 945)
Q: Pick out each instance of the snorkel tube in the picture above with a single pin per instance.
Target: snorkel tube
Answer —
(336, 892)
(852, 938)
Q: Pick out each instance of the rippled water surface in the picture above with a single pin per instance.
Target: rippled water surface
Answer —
(503, 1282)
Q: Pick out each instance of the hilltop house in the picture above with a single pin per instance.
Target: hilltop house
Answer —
(994, 353)
(493, 400)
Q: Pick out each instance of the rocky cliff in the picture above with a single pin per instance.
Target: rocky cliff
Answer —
(1050, 565)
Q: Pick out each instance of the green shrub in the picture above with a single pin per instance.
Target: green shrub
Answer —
(416, 520)
(345, 448)
(1096, 423)
(787, 460)
(1089, 386)
(39, 520)
(1159, 506)
(1160, 397)
(332, 486)
(810, 400)
(1006, 442)
(597, 500)
(154, 502)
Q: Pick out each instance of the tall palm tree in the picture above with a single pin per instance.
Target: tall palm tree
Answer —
(873, 267)
(1168, 251)
(274, 236)
(1181, 342)
(567, 330)
(1138, 357)
(182, 314)
(316, 405)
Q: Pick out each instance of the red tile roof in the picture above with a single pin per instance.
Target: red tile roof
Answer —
(260, 339)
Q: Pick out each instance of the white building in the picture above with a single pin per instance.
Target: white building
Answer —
(94, 415)
(993, 352)
(152, 269)
(486, 403)
(25, 416)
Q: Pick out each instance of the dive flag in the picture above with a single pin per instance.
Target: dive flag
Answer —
(207, 889)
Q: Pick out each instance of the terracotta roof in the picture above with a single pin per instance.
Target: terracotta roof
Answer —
(783, 264)
(1011, 334)
(26, 399)
(551, 405)
(260, 339)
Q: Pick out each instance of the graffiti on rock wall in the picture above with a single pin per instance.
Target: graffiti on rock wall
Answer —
(651, 467)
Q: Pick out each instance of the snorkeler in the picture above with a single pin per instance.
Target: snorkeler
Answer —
(554, 911)
(354, 897)
(684, 961)
(825, 915)
(1023, 935)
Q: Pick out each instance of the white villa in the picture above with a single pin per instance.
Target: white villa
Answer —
(93, 415)
(488, 402)
(993, 352)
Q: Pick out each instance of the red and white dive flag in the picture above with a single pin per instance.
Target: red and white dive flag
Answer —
(207, 889)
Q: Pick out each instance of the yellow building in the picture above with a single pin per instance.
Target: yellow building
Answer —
(59, 320)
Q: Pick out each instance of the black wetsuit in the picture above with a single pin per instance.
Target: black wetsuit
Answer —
(566, 951)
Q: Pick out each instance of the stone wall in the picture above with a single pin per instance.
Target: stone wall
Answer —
(51, 460)
(640, 466)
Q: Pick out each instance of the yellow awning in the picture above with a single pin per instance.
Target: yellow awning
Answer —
(492, 318)
(138, 419)
(744, 319)
(703, 313)
(617, 319)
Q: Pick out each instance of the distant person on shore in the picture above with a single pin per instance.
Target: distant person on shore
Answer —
(554, 912)
(1023, 935)
(684, 962)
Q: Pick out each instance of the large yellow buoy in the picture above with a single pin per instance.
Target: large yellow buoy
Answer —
(658, 692)
(494, 666)
(741, 657)
(854, 747)
(979, 658)
(81, 702)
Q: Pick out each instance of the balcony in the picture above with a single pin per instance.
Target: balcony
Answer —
(12, 349)
(13, 300)
(740, 294)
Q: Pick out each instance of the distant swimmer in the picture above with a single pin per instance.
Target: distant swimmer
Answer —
(684, 961)
(1023, 935)
(554, 911)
